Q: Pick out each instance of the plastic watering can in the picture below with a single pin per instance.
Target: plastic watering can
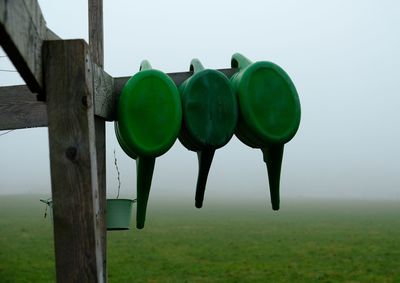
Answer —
(269, 113)
(148, 123)
(210, 115)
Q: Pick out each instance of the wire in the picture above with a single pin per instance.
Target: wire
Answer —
(3, 56)
(118, 177)
(6, 132)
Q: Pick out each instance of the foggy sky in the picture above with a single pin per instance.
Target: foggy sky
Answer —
(343, 57)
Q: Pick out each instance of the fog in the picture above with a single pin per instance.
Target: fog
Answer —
(343, 57)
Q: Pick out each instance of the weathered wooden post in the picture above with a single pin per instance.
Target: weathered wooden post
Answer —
(96, 45)
(74, 177)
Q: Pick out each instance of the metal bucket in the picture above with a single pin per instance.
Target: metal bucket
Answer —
(119, 214)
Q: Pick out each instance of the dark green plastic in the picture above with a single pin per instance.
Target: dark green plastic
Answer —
(210, 115)
(122, 143)
(149, 120)
(269, 113)
(144, 172)
(205, 158)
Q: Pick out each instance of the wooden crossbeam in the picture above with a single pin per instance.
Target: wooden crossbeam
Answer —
(107, 91)
(19, 108)
(22, 32)
(103, 86)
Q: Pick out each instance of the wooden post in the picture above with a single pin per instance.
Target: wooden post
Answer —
(96, 31)
(96, 44)
(69, 89)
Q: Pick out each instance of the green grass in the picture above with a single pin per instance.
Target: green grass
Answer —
(308, 241)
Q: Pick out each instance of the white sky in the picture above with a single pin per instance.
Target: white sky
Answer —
(343, 57)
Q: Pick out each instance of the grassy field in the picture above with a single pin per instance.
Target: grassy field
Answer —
(308, 241)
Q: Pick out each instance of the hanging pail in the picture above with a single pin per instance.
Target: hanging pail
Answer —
(119, 214)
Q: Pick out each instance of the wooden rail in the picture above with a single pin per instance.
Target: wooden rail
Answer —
(19, 108)
(106, 95)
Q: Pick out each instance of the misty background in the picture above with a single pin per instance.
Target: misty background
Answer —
(343, 57)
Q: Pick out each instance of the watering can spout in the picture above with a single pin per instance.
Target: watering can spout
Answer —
(144, 169)
(205, 158)
(273, 158)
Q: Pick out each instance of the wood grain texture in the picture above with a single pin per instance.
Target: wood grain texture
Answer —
(77, 231)
(19, 109)
(100, 136)
(101, 83)
(22, 32)
(96, 38)
(104, 100)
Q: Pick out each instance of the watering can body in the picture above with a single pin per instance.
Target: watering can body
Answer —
(148, 123)
(269, 113)
(149, 114)
(210, 116)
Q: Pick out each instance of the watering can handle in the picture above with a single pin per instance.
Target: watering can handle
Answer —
(145, 65)
(239, 61)
(196, 66)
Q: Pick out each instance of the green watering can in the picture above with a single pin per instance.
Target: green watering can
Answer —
(210, 115)
(269, 113)
(148, 123)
